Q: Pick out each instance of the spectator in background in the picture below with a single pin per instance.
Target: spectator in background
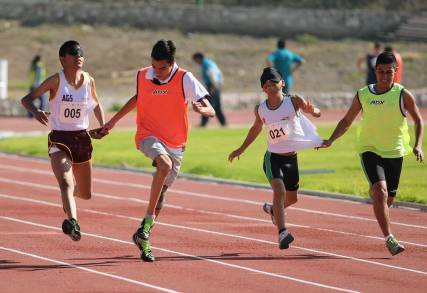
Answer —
(283, 60)
(399, 61)
(37, 76)
(213, 80)
(370, 59)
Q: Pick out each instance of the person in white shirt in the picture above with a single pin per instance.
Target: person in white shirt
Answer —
(162, 96)
(72, 97)
(288, 131)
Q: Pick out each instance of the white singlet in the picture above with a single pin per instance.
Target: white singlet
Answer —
(287, 130)
(70, 107)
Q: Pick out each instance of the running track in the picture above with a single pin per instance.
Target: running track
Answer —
(209, 238)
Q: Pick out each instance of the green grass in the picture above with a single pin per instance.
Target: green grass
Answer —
(208, 150)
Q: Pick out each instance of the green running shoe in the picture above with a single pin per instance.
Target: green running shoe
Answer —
(393, 246)
(146, 254)
(71, 228)
(141, 239)
(145, 230)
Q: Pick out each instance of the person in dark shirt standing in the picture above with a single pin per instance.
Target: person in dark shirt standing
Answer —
(369, 60)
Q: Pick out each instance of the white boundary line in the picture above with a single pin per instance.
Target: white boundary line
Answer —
(280, 276)
(221, 234)
(208, 196)
(307, 193)
(87, 269)
(132, 199)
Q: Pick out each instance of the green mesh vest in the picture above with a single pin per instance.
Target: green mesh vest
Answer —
(383, 128)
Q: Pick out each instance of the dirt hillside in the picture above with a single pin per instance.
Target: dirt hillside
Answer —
(114, 54)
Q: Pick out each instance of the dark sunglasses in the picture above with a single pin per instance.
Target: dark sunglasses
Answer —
(77, 51)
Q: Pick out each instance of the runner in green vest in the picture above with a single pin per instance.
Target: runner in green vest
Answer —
(383, 138)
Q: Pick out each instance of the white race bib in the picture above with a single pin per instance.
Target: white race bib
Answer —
(72, 112)
(277, 132)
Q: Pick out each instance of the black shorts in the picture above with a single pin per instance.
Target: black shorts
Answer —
(382, 169)
(282, 167)
(77, 144)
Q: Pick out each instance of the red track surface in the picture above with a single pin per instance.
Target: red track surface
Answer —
(209, 238)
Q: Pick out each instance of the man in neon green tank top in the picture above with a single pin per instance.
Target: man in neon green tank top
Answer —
(383, 138)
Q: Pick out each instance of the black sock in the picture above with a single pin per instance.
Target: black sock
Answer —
(281, 230)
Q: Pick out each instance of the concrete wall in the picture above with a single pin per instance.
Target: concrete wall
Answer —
(242, 20)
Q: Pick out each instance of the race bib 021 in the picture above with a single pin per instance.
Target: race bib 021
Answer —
(277, 132)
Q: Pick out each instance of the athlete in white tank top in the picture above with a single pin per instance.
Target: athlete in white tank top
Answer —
(287, 130)
(72, 97)
(70, 107)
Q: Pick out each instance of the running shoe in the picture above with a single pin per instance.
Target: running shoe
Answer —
(285, 238)
(146, 254)
(71, 228)
(393, 246)
(144, 247)
(268, 208)
(141, 239)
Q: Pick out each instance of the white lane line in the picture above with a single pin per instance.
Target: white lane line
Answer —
(132, 199)
(204, 195)
(221, 234)
(87, 269)
(280, 276)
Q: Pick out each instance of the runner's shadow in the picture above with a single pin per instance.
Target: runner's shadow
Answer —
(25, 267)
(124, 257)
(240, 256)
(5, 261)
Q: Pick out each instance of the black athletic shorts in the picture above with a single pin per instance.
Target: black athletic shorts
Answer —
(77, 144)
(382, 169)
(282, 167)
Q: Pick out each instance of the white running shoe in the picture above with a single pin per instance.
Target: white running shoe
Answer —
(268, 208)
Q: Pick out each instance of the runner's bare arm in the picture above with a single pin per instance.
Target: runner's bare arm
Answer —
(130, 105)
(203, 107)
(98, 111)
(250, 137)
(305, 106)
(344, 123)
(411, 106)
(97, 133)
(50, 84)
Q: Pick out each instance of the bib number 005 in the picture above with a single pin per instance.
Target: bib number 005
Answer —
(72, 112)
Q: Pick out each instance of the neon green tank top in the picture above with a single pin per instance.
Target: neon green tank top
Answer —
(383, 129)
